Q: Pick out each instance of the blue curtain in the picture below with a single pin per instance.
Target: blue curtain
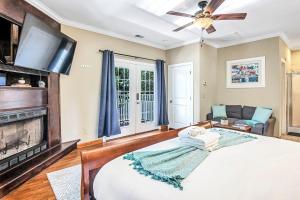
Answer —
(109, 115)
(161, 94)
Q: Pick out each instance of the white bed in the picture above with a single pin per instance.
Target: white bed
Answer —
(266, 168)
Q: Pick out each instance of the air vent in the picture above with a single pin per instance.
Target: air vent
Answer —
(139, 36)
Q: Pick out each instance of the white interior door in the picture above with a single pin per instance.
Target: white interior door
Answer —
(180, 84)
(136, 91)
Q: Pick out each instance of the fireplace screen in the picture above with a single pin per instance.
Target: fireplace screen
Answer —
(19, 136)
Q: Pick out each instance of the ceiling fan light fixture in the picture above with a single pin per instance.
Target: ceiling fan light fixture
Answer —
(204, 22)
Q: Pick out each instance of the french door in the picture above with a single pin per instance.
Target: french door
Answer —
(136, 92)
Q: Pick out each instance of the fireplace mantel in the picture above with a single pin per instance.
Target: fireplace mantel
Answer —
(29, 98)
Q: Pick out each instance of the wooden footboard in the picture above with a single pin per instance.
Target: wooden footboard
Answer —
(93, 160)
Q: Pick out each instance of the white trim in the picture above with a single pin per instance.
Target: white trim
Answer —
(257, 38)
(209, 41)
(261, 83)
(191, 42)
(41, 6)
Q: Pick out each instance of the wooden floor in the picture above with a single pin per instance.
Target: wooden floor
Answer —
(38, 188)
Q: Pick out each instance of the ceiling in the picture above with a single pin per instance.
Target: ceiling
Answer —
(126, 18)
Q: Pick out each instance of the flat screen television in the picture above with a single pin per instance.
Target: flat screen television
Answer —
(44, 48)
(9, 40)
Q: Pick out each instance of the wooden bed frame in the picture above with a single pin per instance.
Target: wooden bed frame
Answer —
(93, 160)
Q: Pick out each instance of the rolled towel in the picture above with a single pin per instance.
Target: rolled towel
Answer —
(196, 130)
(191, 131)
(210, 147)
(202, 141)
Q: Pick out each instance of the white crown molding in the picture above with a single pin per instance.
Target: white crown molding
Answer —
(191, 42)
(261, 37)
(39, 5)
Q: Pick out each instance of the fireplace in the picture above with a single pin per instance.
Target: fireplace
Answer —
(22, 135)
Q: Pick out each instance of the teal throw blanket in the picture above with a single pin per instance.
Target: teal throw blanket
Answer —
(174, 165)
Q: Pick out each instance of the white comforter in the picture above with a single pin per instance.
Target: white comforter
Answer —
(263, 169)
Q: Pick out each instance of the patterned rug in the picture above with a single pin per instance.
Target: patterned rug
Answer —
(65, 183)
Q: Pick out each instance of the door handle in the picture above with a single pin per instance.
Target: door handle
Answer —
(171, 101)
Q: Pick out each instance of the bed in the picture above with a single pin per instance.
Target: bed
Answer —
(266, 168)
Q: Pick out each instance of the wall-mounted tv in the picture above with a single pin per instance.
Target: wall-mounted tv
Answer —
(44, 48)
(9, 40)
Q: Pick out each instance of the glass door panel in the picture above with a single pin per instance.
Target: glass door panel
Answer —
(147, 110)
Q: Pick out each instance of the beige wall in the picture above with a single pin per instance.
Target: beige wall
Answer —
(296, 61)
(80, 91)
(208, 74)
(204, 62)
(268, 96)
(189, 53)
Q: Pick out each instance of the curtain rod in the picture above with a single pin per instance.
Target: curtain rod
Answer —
(136, 57)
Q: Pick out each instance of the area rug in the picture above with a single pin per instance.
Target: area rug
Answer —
(65, 183)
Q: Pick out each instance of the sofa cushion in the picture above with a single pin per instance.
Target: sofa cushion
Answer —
(262, 114)
(232, 120)
(219, 111)
(234, 111)
(248, 112)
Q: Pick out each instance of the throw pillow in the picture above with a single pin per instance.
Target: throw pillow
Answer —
(219, 111)
(262, 114)
(251, 122)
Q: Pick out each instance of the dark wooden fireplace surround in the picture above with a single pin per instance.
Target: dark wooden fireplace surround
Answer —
(23, 98)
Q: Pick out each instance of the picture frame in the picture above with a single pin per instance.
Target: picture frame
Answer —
(246, 73)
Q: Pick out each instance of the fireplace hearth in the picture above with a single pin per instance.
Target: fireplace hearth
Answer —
(22, 135)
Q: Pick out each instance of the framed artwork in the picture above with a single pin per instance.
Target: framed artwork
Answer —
(246, 73)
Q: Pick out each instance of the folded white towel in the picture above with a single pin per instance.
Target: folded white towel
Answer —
(207, 141)
(196, 130)
(192, 131)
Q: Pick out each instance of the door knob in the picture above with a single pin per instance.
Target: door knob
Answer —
(171, 101)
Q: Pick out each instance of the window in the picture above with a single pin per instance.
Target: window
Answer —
(147, 96)
(122, 83)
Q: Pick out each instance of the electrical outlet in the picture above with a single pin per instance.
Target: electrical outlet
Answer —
(85, 66)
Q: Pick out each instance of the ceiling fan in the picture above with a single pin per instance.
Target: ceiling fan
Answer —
(205, 18)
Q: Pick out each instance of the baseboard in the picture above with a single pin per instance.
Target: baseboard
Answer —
(89, 143)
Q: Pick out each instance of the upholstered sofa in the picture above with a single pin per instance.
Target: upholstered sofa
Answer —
(236, 114)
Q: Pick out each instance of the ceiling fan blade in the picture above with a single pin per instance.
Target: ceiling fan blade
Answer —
(232, 16)
(184, 26)
(213, 5)
(210, 29)
(180, 14)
